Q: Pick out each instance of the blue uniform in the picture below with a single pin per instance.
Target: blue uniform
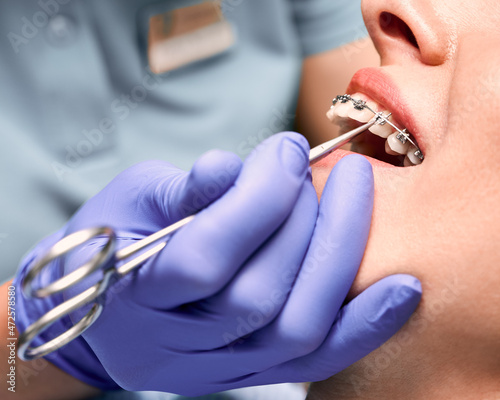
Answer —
(78, 103)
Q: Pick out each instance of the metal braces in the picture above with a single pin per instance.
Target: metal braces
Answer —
(403, 135)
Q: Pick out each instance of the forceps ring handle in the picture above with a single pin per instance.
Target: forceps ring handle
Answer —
(104, 259)
(28, 353)
(63, 247)
(100, 260)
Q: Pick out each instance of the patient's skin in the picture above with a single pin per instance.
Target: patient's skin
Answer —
(439, 221)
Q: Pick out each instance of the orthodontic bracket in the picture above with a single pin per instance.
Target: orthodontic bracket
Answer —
(403, 135)
(419, 155)
(343, 99)
(382, 118)
(359, 104)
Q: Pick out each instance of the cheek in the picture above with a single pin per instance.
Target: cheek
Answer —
(470, 168)
(473, 118)
(470, 174)
(444, 225)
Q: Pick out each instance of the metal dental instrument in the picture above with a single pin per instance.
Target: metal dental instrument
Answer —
(105, 260)
(332, 145)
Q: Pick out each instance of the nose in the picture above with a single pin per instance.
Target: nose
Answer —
(408, 28)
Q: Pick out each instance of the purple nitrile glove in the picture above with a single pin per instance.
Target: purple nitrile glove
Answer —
(248, 293)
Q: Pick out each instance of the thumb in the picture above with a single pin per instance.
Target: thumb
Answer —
(149, 196)
(153, 194)
(184, 194)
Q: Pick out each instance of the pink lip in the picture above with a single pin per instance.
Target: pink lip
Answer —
(334, 157)
(376, 84)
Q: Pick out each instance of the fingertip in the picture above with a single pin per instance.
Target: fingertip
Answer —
(409, 284)
(283, 158)
(214, 172)
(356, 167)
(364, 324)
(351, 184)
(293, 156)
(399, 296)
(298, 139)
(179, 193)
(403, 286)
(410, 292)
(145, 172)
(356, 160)
(217, 161)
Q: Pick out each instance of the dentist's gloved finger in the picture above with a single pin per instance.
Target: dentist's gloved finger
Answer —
(203, 257)
(153, 194)
(160, 194)
(362, 326)
(257, 293)
(328, 270)
(209, 178)
(334, 255)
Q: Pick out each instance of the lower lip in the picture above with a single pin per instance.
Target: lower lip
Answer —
(334, 157)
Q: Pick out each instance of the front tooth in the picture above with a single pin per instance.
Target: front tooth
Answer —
(396, 145)
(331, 114)
(382, 130)
(342, 109)
(364, 115)
(412, 157)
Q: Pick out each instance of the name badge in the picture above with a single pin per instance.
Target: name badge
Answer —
(185, 35)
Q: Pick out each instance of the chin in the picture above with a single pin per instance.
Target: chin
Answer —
(387, 251)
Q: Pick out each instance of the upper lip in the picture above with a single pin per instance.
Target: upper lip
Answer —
(378, 86)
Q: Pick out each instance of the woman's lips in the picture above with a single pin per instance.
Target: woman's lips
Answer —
(334, 157)
(377, 85)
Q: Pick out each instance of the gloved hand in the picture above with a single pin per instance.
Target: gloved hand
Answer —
(249, 293)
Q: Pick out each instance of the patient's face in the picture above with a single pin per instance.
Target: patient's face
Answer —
(440, 220)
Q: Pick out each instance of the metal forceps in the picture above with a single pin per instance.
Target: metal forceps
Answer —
(105, 260)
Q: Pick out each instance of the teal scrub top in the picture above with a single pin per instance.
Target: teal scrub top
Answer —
(78, 103)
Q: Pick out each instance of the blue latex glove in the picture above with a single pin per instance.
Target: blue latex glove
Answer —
(249, 293)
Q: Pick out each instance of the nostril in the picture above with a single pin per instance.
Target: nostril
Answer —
(395, 27)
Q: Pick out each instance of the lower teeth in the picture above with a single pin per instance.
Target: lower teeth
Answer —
(395, 146)
(414, 155)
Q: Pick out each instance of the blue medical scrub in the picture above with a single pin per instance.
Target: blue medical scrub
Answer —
(78, 103)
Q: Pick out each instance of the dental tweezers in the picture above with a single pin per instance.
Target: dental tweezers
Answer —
(105, 260)
(326, 148)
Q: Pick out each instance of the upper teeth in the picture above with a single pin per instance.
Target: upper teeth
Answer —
(362, 109)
